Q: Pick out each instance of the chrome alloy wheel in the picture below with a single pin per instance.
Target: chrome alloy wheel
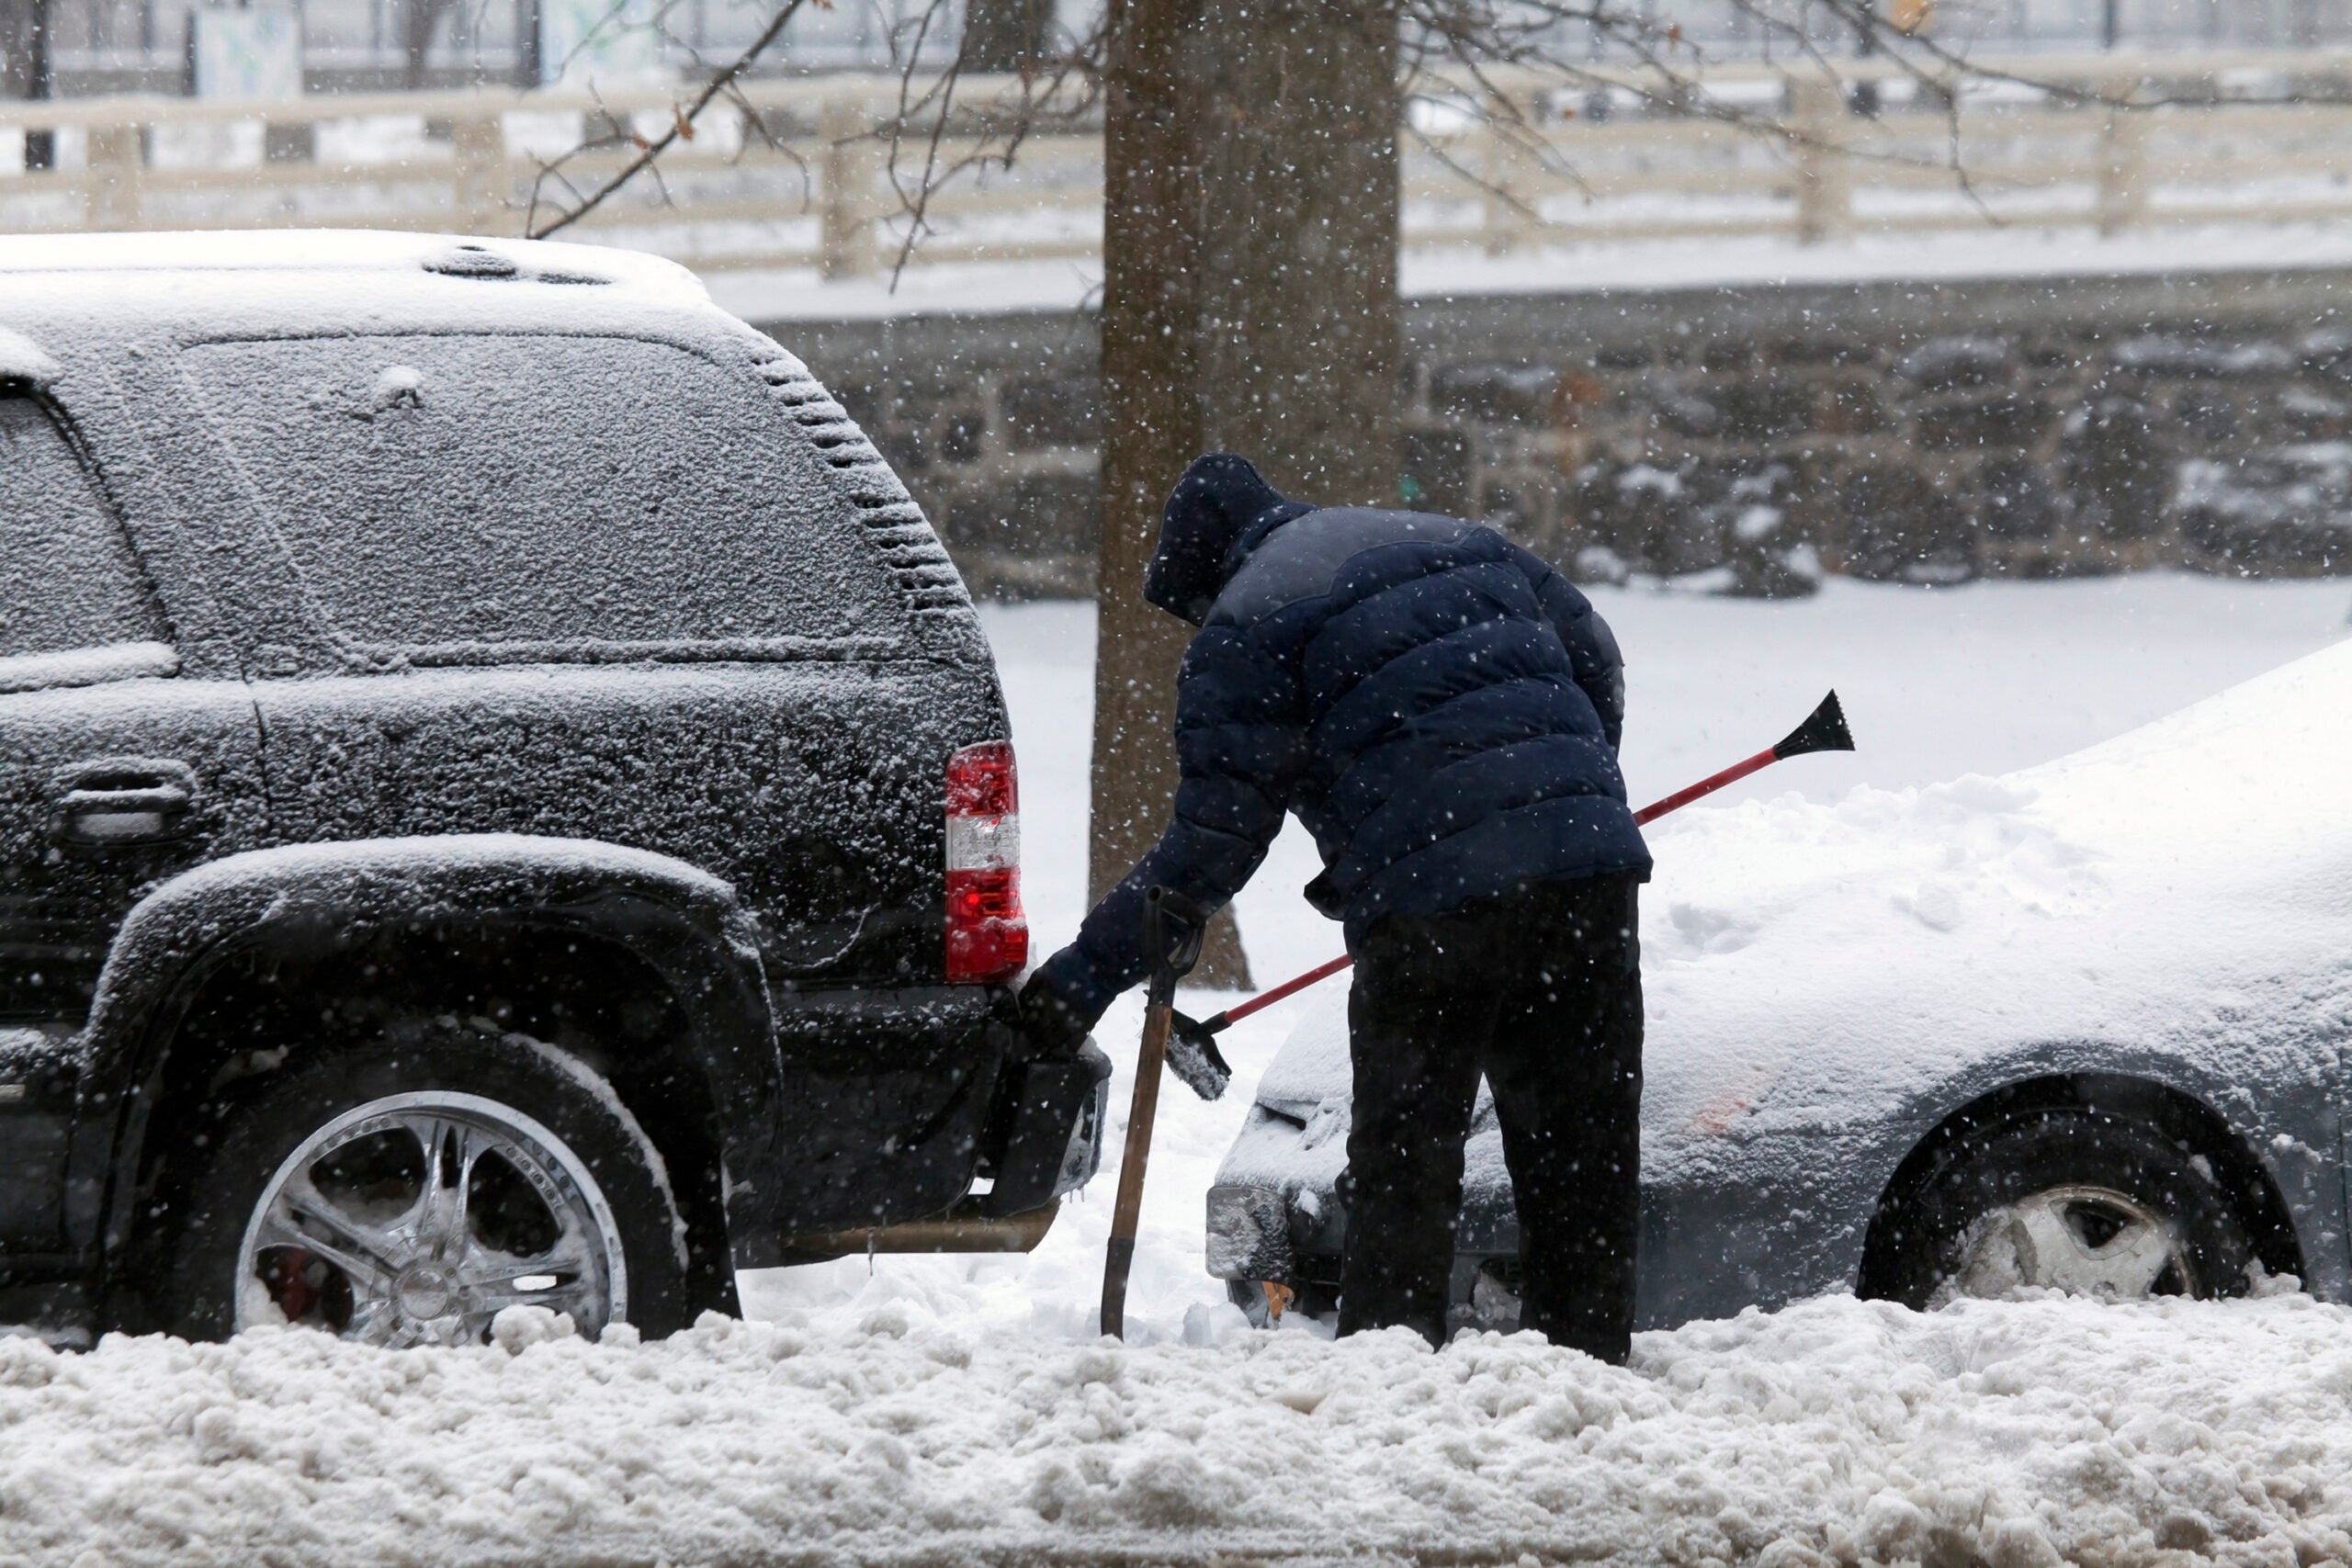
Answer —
(415, 1219)
(2089, 1241)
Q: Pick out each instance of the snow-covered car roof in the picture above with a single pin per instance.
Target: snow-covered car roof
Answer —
(2180, 895)
(340, 249)
(67, 293)
(134, 334)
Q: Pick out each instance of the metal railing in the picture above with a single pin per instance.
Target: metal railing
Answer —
(2129, 142)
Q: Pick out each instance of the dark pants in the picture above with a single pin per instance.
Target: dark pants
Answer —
(1540, 990)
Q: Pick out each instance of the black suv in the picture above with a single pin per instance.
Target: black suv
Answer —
(503, 800)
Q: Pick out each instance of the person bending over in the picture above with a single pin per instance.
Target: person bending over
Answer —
(1441, 710)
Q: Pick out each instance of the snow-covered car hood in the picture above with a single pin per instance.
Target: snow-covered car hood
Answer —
(1809, 964)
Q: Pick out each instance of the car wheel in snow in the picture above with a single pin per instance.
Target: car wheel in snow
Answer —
(2072, 1201)
(406, 1192)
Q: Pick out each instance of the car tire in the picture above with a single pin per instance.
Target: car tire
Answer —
(2066, 1199)
(310, 1196)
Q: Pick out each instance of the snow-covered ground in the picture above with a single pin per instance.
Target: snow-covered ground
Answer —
(958, 1410)
(2013, 1434)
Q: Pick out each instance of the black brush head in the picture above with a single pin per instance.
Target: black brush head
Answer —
(1823, 730)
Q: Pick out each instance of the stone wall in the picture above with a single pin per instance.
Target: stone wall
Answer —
(1924, 432)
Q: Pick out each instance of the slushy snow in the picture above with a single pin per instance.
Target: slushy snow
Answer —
(958, 1410)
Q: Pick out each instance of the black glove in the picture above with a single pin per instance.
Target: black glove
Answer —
(1054, 1027)
(1193, 1056)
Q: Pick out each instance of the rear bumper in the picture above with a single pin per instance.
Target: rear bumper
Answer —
(1053, 1113)
(894, 1102)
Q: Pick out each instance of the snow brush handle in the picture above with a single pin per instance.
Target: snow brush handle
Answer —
(1823, 730)
(1289, 988)
(1706, 786)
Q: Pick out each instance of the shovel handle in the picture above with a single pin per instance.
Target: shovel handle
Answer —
(1172, 929)
(1127, 1213)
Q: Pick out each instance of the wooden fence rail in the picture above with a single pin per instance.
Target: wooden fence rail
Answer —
(2131, 141)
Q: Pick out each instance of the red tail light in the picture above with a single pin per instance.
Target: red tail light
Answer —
(987, 936)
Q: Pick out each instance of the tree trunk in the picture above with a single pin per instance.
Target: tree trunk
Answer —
(420, 20)
(527, 42)
(26, 69)
(1250, 191)
(24, 49)
(1300, 350)
(1153, 427)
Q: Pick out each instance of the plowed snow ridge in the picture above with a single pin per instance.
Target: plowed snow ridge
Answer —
(2011, 1432)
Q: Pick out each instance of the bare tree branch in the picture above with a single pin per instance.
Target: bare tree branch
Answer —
(1452, 50)
(1000, 131)
(649, 151)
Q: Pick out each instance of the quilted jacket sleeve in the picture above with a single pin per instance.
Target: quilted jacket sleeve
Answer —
(1240, 743)
(1592, 647)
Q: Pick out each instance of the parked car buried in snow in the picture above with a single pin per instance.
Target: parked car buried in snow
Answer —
(2081, 1028)
(503, 800)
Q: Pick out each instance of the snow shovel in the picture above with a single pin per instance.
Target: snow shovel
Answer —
(1173, 927)
(1823, 730)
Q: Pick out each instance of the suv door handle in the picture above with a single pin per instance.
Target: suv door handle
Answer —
(141, 811)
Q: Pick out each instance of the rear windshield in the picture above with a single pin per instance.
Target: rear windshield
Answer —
(491, 497)
(69, 580)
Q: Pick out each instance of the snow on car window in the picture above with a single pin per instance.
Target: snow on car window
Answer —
(69, 580)
(512, 493)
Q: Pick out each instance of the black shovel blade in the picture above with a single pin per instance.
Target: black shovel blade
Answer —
(1823, 730)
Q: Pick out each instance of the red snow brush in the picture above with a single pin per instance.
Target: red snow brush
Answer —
(1823, 730)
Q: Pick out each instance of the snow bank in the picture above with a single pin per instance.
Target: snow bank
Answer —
(2014, 1433)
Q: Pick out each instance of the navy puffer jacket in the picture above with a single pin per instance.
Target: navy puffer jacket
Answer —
(1440, 709)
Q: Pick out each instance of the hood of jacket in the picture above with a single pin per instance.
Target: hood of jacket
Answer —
(1220, 498)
